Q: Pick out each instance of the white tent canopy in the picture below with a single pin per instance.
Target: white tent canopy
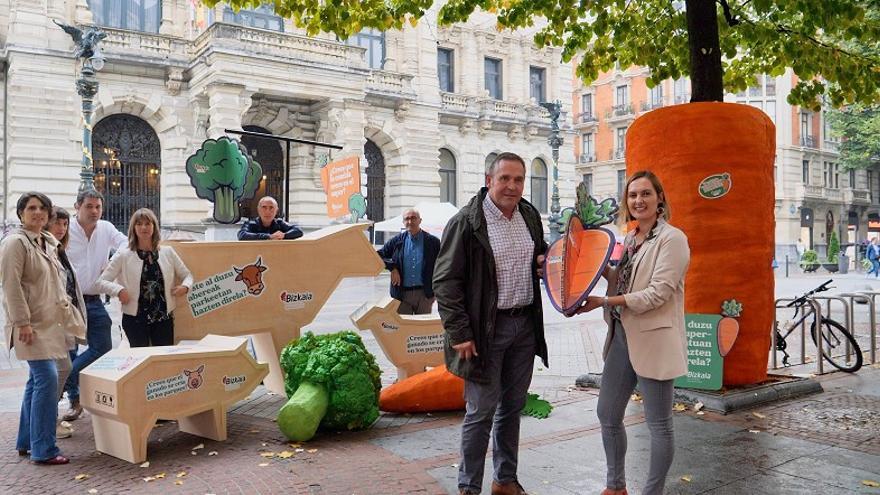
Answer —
(434, 218)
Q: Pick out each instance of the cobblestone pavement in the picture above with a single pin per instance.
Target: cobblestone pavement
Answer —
(823, 444)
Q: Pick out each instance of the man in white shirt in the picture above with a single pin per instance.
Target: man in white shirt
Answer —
(91, 241)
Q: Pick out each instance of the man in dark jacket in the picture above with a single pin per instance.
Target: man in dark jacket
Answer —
(486, 282)
(266, 226)
(410, 257)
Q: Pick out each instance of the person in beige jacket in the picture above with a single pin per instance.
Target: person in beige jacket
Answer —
(38, 311)
(143, 276)
(646, 344)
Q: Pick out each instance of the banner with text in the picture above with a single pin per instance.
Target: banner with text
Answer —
(705, 364)
(341, 179)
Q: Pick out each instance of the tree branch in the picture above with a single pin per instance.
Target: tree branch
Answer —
(728, 16)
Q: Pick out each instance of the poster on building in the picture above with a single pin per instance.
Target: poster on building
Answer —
(341, 180)
(705, 363)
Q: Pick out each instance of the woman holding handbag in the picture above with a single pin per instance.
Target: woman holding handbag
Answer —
(143, 276)
(58, 225)
(39, 316)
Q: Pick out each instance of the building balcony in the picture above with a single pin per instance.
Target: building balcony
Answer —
(387, 83)
(145, 47)
(587, 158)
(585, 120)
(458, 104)
(260, 43)
(808, 142)
(810, 191)
(831, 145)
(679, 99)
(620, 113)
(857, 197)
(617, 154)
(647, 106)
(458, 108)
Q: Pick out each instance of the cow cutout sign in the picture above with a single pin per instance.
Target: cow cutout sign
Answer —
(576, 260)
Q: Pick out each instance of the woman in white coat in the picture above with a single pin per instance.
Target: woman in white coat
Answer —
(147, 278)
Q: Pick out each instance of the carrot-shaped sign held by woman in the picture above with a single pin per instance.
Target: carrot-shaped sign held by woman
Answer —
(576, 260)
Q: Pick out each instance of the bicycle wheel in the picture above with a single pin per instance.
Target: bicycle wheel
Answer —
(834, 338)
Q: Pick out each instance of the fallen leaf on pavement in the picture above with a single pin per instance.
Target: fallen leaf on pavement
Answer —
(700, 413)
(285, 455)
(294, 445)
(160, 476)
(92, 490)
(312, 451)
(146, 464)
(194, 452)
(178, 482)
(199, 446)
(686, 478)
(754, 431)
(679, 407)
(213, 452)
(81, 477)
(871, 483)
(300, 450)
(149, 479)
(758, 415)
(698, 406)
(263, 464)
(181, 474)
(267, 455)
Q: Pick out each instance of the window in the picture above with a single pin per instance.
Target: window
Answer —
(539, 185)
(135, 15)
(587, 104)
(622, 95)
(769, 85)
(587, 146)
(621, 142)
(835, 174)
(682, 90)
(757, 90)
(657, 96)
(492, 68)
(805, 171)
(852, 178)
(262, 17)
(831, 175)
(536, 83)
(806, 133)
(374, 41)
(621, 183)
(871, 185)
(446, 69)
(588, 181)
(447, 176)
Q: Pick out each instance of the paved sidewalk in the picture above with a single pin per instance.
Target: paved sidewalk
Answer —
(823, 444)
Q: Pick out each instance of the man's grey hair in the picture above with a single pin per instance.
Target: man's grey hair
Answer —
(505, 156)
(268, 198)
(413, 210)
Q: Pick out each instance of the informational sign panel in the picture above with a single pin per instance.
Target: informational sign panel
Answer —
(341, 179)
(705, 364)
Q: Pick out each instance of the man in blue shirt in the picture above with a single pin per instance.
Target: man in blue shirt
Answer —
(410, 256)
(266, 226)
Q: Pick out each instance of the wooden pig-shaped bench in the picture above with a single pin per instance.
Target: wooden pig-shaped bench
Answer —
(411, 342)
(127, 390)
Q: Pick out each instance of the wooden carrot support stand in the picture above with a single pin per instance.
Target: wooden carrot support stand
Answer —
(411, 342)
(269, 289)
(127, 390)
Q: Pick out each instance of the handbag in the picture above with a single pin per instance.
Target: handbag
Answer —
(74, 322)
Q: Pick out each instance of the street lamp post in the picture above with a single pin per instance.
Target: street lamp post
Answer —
(555, 141)
(89, 54)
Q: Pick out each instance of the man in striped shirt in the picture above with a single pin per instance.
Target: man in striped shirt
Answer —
(486, 285)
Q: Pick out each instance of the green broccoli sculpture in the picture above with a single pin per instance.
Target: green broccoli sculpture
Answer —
(332, 381)
(223, 172)
(357, 205)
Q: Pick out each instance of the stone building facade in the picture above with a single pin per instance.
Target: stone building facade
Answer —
(425, 107)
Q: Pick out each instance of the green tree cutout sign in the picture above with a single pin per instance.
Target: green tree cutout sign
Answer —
(223, 172)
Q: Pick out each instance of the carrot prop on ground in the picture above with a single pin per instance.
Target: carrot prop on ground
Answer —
(431, 391)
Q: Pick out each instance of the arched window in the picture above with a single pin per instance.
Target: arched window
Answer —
(269, 154)
(134, 15)
(447, 176)
(127, 160)
(539, 185)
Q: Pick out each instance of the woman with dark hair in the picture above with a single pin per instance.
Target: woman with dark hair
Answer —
(644, 309)
(37, 309)
(58, 227)
(143, 276)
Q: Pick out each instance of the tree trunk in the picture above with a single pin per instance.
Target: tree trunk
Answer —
(707, 77)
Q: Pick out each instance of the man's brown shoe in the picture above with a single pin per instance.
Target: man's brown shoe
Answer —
(73, 413)
(467, 491)
(512, 488)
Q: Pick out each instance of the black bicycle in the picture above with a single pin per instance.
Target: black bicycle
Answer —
(835, 337)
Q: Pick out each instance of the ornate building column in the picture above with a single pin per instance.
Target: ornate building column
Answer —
(226, 105)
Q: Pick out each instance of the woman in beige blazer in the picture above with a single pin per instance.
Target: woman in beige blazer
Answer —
(37, 309)
(143, 276)
(646, 344)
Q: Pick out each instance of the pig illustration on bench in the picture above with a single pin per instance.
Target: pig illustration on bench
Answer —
(127, 390)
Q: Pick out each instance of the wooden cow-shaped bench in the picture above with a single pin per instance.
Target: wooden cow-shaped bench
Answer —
(269, 289)
(128, 389)
(411, 342)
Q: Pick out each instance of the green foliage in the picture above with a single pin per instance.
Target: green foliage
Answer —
(357, 205)
(340, 363)
(859, 127)
(592, 213)
(731, 308)
(537, 408)
(833, 247)
(222, 172)
(810, 257)
(832, 46)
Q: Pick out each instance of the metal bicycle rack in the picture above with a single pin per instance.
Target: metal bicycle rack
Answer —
(848, 323)
(870, 298)
(817, 317)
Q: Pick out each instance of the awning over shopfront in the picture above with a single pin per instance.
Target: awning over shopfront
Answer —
(874, 222)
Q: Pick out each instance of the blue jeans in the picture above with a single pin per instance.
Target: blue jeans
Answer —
(875, 267)
(98, 338)
(39, 411)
